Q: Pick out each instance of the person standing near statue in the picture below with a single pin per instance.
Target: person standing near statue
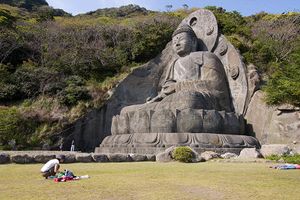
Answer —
(72, 146)
(51, 168)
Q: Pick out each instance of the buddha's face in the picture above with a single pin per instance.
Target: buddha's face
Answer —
(183, 44)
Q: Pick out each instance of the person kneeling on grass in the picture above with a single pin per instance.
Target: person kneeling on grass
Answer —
(52, 166)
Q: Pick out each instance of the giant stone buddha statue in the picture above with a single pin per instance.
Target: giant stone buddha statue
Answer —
(195, 79)
(195, 106)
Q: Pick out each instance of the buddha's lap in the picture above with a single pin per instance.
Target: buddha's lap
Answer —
(177, 101)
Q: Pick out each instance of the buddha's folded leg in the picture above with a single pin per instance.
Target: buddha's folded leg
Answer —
(188, 99)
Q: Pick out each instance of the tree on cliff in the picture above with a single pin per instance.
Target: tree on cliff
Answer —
(284, 84)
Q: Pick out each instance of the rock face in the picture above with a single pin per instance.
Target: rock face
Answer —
(295, 149)
(100, 158)
(22, 159)
(208, 155)
(4, 158)
(229, 155)
(165, 156)
(138, 157)
(119, 158)
(70, 158)
(274, 149)
(254, 82)
(272, 125)
(83, 157)
(43, 158)
(151, 157)
(250, 153)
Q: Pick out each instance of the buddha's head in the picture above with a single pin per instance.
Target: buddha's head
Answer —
(184, 40)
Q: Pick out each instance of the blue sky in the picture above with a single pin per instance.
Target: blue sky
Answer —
(245, 7)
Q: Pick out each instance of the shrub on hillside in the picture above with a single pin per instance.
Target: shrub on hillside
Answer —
(74, 92)
(151, 36)
(8, 92)
(284, 84)
(28, 82)
(6, 19)
(45, 13)
(14, 127)
(230, 22)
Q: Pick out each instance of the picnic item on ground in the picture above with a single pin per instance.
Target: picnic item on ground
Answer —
(286, 166)
(67, 175)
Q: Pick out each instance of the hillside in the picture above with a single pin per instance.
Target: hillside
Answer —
(27, 4)
(123, 11)
(55, 68)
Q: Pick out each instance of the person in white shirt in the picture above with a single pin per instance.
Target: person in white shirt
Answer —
(52, 166)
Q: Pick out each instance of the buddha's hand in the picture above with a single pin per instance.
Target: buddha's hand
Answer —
(168, 89)
(154, 99)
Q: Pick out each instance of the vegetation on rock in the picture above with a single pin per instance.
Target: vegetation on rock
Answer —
(292, 159)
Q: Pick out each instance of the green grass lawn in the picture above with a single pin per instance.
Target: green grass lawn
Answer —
(150, 180)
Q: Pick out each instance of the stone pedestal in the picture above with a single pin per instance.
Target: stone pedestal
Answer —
(152, 143)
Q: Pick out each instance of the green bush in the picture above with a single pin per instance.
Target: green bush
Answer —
(273, 157)
(14, 127)
(6, 19)
(74, 92)
(284, 84)
(151, 36)
(230, 22)
(183, 154)
(292, 159)
(45, 13)
(8, 92)
(28, 82)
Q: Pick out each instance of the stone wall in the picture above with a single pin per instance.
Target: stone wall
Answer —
(28, 157)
